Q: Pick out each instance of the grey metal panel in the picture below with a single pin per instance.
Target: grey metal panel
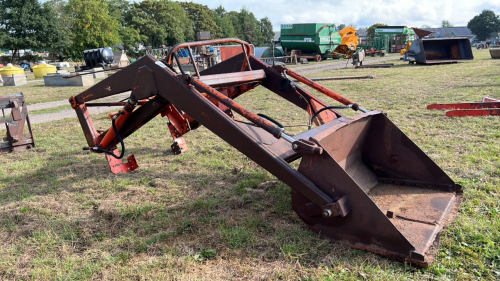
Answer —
(258, 51)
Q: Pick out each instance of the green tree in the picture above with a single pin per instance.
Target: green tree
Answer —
(203, 18)
(484, 24)
(250, 27)
(160, 22)
(243, 25)
(58, 36)
(92, 26)
(446, 23)
(223, 20)
(266, 29)
(371, 30)
(130, 37)
(118, 9)
(26, 24)
(234, 21)
(220, 11)
(340, 27)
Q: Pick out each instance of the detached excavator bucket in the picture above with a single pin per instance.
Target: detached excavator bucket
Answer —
(400, 200)
(439, 50)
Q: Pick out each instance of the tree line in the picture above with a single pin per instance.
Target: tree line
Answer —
(67, 27)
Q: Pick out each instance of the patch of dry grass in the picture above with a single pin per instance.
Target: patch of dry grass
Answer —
(212, 214)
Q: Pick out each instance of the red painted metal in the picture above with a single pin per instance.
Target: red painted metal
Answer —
(228, 52)
(248, 47)
(16, 139)
(178, 124)
(319, 87)
(235, 78)
(488, 99)
(485, 108)
(469, 105)
(361, 181)
(263, 123)
(473, 112)
(118, 166)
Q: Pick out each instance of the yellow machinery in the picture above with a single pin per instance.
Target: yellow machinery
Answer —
(348, 46)
(403, 51)
(349, 42)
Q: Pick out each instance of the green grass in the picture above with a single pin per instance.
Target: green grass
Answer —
(37, 92)
(213, 214)
(50, 110)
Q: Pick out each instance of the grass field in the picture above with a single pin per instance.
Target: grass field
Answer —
(36, 92)
(212, 214)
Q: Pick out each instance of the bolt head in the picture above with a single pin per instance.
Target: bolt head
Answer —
(327, 213)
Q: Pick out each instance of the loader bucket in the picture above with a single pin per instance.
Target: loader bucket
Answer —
(439, 50)
(400, 199)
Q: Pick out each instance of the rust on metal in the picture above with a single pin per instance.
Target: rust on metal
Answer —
(263, 123)
(473, 112)
(488, 106)
(319, 87)
(339, 78)
(15, 117)
(234, 78)
(421, 33)
(361, 181)
(468, 105)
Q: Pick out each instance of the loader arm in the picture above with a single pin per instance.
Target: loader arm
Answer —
(361, 181)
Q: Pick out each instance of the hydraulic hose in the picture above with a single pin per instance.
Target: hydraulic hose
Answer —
(110, 153)
(327, 108)
(271, 119)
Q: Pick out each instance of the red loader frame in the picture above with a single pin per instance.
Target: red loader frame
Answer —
(351, 170)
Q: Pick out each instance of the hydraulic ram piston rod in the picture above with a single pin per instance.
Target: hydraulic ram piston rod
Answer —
(324, 90)
(261, 122)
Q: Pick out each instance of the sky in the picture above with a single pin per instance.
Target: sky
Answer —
(361, 13)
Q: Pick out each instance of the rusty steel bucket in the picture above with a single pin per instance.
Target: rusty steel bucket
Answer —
(399, 199)
(439, 50)
(495, 52)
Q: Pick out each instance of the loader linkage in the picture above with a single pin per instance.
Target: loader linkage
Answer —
(361, 181)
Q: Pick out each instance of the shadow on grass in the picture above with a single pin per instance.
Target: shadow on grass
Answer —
(237, 211)
(480, 86)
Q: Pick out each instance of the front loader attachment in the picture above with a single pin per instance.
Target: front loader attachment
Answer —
(439, 50)
(361, 181)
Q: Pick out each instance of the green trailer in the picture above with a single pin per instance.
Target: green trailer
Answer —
(389, 39)
(310, 40)
(398, 36)
(394, 30)
(378, 44)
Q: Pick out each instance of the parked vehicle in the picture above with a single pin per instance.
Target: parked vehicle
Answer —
(26, 65)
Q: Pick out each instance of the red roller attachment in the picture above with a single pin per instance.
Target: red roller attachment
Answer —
(488, 106)
(472, 112)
